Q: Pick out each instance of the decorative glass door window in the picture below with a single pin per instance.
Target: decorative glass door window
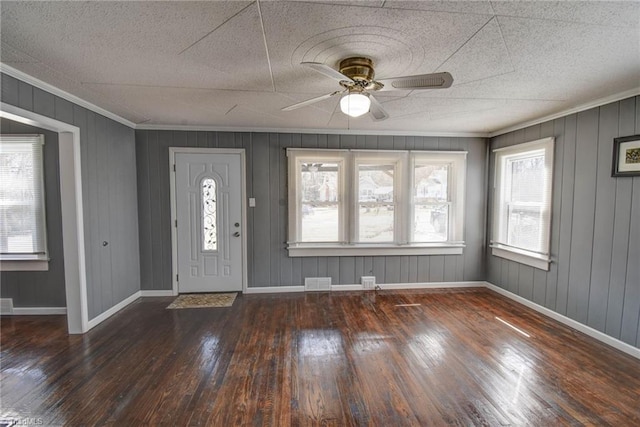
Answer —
(209, 215)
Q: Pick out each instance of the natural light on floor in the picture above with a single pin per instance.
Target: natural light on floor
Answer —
(513, 327)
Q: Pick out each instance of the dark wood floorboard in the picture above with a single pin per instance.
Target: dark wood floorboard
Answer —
(341, 359)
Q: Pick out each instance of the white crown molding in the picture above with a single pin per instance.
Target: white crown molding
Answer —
(20, 75)
(312, 131)
(582, 107)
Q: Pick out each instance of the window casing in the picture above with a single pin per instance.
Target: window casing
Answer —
(368, 202)
(522, 202)
(23, 234)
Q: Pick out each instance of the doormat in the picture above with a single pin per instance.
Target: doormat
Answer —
(203, 300)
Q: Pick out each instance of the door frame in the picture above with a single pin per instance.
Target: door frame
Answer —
(70, 159)
(243, 202)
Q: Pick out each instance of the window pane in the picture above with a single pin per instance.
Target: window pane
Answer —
(376, 203)
(209, 230)
(431, 223)
(21, 197)
(431, 183)
(430, 194)
(527, 179)
(376, 223)
(320, 207)
(524, 227)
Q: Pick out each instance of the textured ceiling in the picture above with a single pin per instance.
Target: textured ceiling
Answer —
(236, 64)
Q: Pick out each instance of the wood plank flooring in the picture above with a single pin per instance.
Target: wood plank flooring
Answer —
(392, 358)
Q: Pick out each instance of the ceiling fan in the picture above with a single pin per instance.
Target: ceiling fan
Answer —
(356, 76)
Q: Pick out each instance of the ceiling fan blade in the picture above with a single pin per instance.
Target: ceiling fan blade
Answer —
(376, 110)
(420, 81)
(327, 71)
(310, 101)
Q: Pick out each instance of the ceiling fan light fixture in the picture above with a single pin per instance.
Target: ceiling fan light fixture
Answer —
(355, 104)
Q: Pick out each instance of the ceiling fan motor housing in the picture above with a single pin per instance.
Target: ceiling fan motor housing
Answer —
(358, 69)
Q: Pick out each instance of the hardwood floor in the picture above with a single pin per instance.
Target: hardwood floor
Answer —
(386, 359)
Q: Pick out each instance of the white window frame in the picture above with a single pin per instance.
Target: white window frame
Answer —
(499, 246)
(30, 262)
(403, 162)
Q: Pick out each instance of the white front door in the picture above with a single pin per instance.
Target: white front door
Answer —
(209, 222)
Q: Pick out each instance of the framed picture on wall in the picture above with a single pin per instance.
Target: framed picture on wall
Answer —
(626, 156)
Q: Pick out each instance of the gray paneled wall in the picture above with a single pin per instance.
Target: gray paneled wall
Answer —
(269, 263)
(108, 191)
(40, 288)
(595, 235)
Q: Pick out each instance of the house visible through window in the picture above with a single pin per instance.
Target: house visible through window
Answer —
(22, 210)
(522, 203)
(366, 202)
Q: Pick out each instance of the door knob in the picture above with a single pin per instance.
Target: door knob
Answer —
(236, 234)
(237, 224)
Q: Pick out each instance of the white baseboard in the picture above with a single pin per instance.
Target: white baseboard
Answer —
(274, 289)
(39, 311)
(339, 288)
(358, 287)
(587, 330)
(7, 309)
(430, 285)
(113, 310)
(157, 293)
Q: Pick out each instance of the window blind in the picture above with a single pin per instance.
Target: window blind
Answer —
(22, 208)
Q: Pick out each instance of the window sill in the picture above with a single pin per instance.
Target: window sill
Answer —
(523, 257)
(9, 264)
(374, 250)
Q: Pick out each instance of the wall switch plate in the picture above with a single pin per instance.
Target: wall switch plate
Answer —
(252, 202)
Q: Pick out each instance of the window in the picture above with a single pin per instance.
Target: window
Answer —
(22, 211)
(366, 202)
(209, 214)
(522, 202)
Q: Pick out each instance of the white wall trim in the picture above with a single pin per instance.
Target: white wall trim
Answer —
(24, 265)
(376, 132)
(358, 287)
(587, 330)
(72, 211)
(172, 197)
(357, 250)
(274, 289)
(157, 293)
(582, 107)
(39, 311)
(113, 310)
(430, 285)
(533, 261)
(340, 288)
(20, 75)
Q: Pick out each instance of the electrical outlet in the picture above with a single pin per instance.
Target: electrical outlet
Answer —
(368, 282)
